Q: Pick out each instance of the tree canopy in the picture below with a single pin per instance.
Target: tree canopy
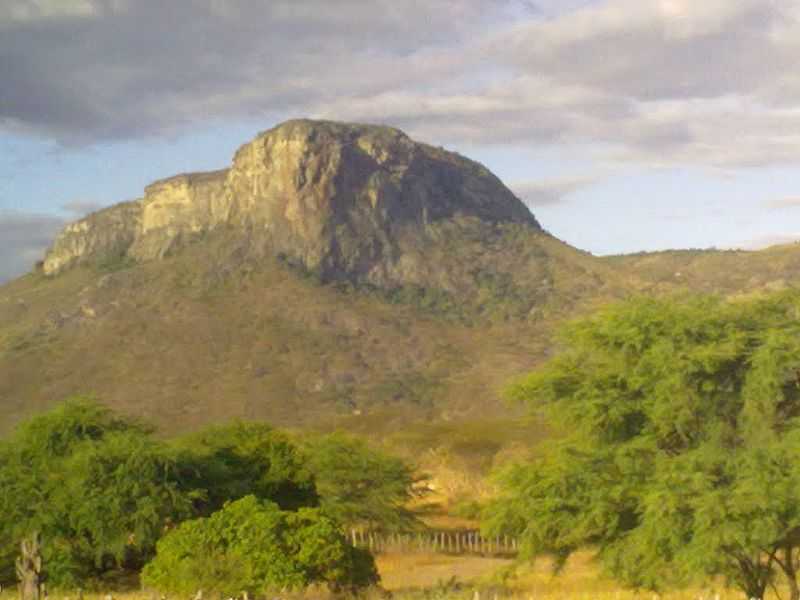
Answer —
(677, 458)
(359, 485)
(243, 458)
(96, 485)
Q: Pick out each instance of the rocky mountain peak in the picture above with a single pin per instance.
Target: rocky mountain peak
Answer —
(346, 201)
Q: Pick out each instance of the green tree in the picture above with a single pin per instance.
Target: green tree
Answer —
(116, 497)
(243, 458)
(97, 487)
(361, 485)
(251, 545)
(680, 437)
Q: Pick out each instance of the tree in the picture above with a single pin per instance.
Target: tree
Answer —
(115, 500)
(97, 486)
(360, 485)
(679, 445)
(251, 545)
(243, 458)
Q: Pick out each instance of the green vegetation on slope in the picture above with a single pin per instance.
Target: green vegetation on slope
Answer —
(203, 336)
(216, 331)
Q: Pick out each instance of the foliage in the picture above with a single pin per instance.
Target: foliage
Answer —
(113, 261)
(430, 300)
(678, 458)
(55, 434)
(243, 458)
(360, 485)
(251, 545)
(413, 387)
(97, 486)
(466, 509)
(102, 491)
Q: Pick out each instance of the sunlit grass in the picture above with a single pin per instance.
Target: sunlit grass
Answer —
(432, 576)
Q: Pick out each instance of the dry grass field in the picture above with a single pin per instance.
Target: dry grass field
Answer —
(442, 577)
(438, 576)
(417, 572)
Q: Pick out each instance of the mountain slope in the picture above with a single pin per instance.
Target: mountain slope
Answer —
(332, 271)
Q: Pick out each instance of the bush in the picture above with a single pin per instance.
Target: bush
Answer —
(251, 545)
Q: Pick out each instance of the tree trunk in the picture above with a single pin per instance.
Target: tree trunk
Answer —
(29, 568)
(790, 570)
(794, 589)
(753, 575)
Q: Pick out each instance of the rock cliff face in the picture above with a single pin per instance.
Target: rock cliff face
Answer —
(175, 209)
(345, 201)
(106, 232)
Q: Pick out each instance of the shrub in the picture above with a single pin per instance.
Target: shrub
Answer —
(251, 545)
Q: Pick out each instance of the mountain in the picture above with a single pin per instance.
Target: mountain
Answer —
(334, 271)
(352, 203)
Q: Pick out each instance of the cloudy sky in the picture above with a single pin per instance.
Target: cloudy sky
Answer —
(625, 125)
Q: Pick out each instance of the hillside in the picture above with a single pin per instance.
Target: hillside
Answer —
(333, 272)
(713, 271)
(197, 337)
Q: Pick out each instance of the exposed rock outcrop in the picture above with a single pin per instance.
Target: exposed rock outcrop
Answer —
(344, 201)
(107, 232)
(175, 209)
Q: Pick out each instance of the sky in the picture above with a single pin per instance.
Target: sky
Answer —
(625, 125)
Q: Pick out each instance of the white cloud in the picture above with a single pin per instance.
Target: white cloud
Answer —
(81, 208)
(789, 202)
(20, 11)
(767, 240)
(660, 82)
(546, 192)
